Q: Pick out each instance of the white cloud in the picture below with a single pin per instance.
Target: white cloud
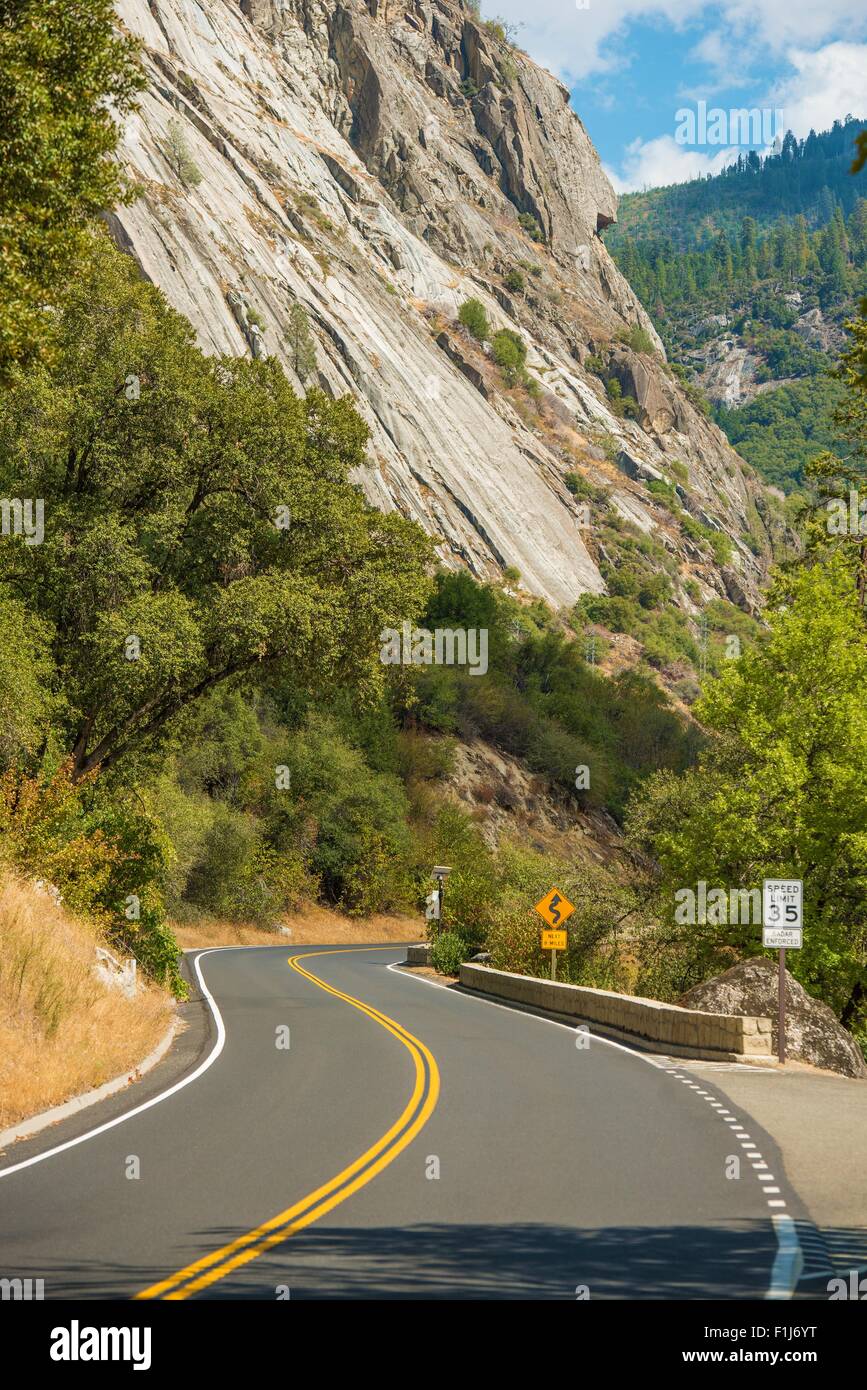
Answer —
(727, 61)
(826, 85)
(655, 163)
(782, 24)
(569, 40)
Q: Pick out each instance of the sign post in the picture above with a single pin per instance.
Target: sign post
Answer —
(782, 930)
(440, 873)
(554, 908)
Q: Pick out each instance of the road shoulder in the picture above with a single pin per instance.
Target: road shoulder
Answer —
(195, 1035)
(819, 1123)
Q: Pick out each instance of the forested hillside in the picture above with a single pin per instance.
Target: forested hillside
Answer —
(750, 277)
(198, 719)
(808, 177)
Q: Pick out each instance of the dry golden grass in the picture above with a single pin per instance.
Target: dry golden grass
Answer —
(312, 926)
(61, 1030)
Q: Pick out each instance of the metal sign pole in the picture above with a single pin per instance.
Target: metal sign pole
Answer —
(781, 1022)
(553, 965)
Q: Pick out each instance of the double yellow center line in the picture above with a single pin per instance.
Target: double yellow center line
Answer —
(414, 1116)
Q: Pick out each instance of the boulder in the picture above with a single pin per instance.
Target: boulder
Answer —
(659, 409)
(813, 1033)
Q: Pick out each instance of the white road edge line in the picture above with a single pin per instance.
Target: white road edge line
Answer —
(34, 1124)
(553, 1022)
(164, 1095)
(789, 1259)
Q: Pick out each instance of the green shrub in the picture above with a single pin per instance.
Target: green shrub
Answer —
(510, 353)
(356, 819)
(473, 316)
(639, 339)
(621, 405)
(531, 226)
(447, 952)
(107, 858)
(515, 281)
(719, 542)
(501, 30)
(655, 592)
(661, 488)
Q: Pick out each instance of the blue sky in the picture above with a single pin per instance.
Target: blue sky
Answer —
(631, 65)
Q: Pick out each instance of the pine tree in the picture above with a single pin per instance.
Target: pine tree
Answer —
(302, 349)
(802, 246)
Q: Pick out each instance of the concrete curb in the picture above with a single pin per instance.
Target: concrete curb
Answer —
(27, 1128)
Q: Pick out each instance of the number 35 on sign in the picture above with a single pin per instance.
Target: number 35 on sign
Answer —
(782, 912)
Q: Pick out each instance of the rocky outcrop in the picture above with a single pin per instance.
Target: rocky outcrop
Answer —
(728, 372)
(511, 804)
(813, 1034)
(660, 408)
(820, 333)
(727, 369)
(379, 165)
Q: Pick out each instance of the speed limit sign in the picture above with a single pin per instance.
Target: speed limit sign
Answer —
(782, 929)
(782, 912)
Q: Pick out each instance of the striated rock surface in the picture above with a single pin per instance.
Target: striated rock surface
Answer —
(372, 162)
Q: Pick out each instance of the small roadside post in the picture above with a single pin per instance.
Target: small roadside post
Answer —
(782, 930)
(554, 909)
(440, 873)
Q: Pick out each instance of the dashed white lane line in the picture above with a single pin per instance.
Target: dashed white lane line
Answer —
(789, 1259)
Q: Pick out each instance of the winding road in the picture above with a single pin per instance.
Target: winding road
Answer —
(344, 1129)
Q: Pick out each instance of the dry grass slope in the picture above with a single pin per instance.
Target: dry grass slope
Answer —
(313, 925)
(61, 1030)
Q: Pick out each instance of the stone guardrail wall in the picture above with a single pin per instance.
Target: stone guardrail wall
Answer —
(418, 954)
(668, 1028)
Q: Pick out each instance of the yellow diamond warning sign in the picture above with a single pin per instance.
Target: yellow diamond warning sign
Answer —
(555, 909)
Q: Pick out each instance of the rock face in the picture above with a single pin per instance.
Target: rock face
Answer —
(726, 368)
(509, 803)
(379, 165)
(813, 1034)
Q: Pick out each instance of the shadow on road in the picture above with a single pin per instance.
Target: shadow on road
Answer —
(444, 1261)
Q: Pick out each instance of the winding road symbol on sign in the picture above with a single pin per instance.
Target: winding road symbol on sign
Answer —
(555, 908)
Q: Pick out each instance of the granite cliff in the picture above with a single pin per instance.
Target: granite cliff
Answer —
(379, 164)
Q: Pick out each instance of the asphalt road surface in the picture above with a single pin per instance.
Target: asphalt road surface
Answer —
(353, 1131)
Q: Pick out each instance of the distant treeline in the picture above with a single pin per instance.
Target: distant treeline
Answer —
(807, 176)
(668, 277)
